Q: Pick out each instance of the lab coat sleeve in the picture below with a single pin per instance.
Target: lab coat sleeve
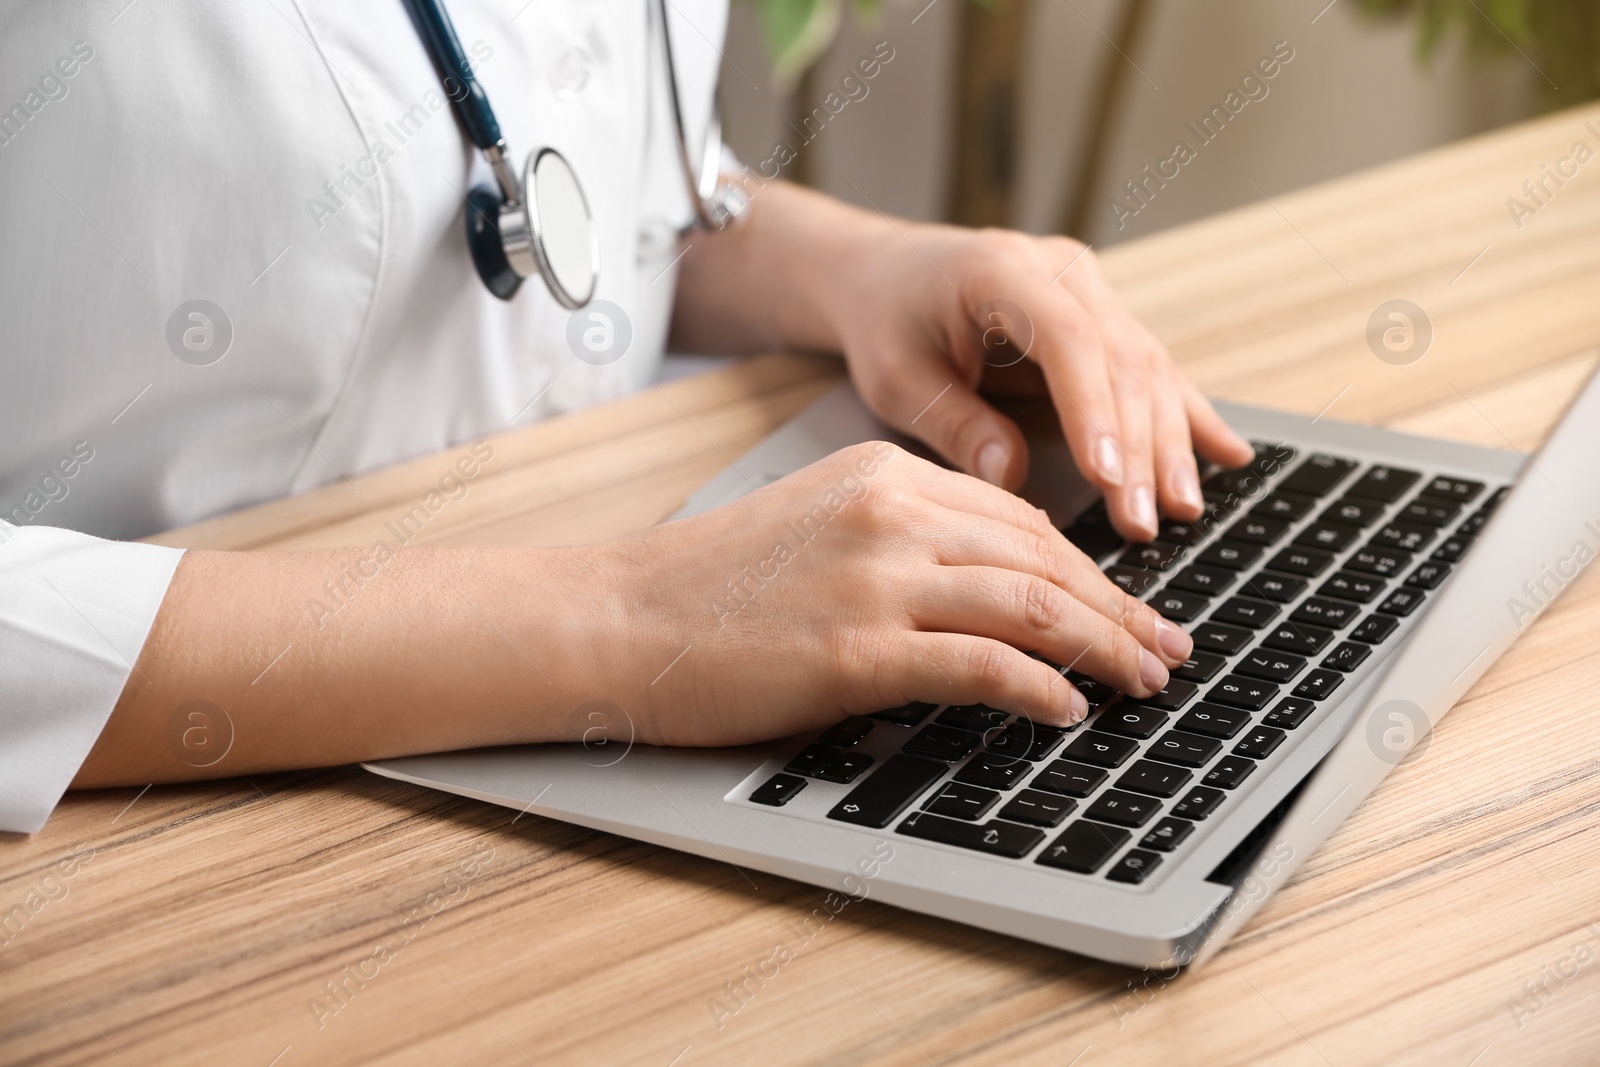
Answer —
(74, 613)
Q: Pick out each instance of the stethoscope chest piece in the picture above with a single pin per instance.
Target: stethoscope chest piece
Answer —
(548, 230)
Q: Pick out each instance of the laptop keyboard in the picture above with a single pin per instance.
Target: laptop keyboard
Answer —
(1296, 576)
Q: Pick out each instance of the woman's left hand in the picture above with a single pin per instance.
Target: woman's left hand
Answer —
(936, 312)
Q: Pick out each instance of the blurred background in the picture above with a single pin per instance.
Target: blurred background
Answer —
(1036, 113)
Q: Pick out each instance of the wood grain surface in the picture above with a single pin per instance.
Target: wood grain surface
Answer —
(336, 917)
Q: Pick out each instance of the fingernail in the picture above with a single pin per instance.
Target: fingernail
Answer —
(1173, 641)
(1142, 506)
(992, 463)
(1186, 487)
(1152, 672)
(1078, 705)
(1108, 459)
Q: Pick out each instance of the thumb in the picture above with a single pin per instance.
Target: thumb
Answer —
(940, 408)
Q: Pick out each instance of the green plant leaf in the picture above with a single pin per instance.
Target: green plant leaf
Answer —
(797, 32)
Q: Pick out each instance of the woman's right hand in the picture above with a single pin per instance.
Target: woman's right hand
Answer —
(869, 579)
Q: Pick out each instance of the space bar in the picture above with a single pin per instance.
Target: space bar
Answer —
(888, 791)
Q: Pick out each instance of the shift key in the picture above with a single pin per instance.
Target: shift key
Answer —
(888, 791)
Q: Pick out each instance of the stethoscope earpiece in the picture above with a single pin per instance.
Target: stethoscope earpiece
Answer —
(486, 244)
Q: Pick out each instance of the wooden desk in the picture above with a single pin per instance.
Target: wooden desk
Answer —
(206, 921)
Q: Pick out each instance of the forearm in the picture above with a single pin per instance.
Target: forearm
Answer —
(776, 280)
(323, 658)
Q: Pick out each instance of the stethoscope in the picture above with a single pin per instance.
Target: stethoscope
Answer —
(542, 223)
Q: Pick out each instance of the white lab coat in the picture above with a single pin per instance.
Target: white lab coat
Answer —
(297, 166)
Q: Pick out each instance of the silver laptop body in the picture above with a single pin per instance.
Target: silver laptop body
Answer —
(1223, 768)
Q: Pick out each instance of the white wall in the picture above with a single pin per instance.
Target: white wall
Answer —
(1354, 95)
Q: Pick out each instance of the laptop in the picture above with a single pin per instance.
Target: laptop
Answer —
(1342, 591)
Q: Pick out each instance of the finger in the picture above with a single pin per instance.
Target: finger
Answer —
(970, 541)
(953, 668)
(1133, 504)
(1071, 351)
(935, 402)
(1035, 615)
(1177, 476)
(1213, 438)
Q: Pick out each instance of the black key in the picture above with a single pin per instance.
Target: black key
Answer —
(1319, 684)
(1258, 743)
(1379, 560)
(1135, 581)
(1407, 536)
(1123, 809)
(1318, 475)
(1179, 606)
(961, 801)
(996, 838)
(1096, 693)
(1180, 533)
(1320, 611)
(974, 717)
(1170, 698)
(1473, 524)
(942, 742)
(1306, 562)
(1488, 506)
(844, 767)
(1198, 802)
(1374, 628)
(1024, 739)
(1237, 691)
(1241, 611)
(1278, 588)
(1093, 533)
(1134, 867)
(1455, 490)
(811, 759)
(1184, 749)
(1271, 457)
(1328, 536)
(1290, 712)
(1290, 506)
(1430, 512)
(1429, 575)
(1236, 555)
(1069, 779)
(1243, 482)
(993, 772)
(1270, 666)
(1214, 720)
(1229, 772)
(777, 790)
(1402, 601)
(887, 791)
(1199, 667)
(1452, 550)
(1384, 484)
(1258, 531)
(1354, 512)
(1214, 637)
(1347, 656)
(1102, 750)
(906, 715)
(1167, 835)
(1348, 585)
(1083, 847)
(1198, 578)
(846, 733)
(1156, 556)
(1037, 809)
(1156, 779)
(1129, 721)
(1298, 639)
